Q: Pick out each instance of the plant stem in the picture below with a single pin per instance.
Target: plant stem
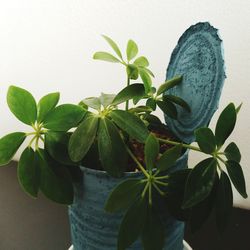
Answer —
(158, 189)
(221, 159)
(145, 190)
(137, 162)
(161, 183)
(150, 194)
(162, 177)
(127, 102)
(179, 143)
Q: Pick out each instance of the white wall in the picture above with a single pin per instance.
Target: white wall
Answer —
(47, 45)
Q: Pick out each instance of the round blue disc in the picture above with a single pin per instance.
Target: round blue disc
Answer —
(198, 57)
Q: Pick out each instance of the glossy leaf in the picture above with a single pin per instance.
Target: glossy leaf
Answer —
(169, 158)
(106, 99)
(225, 124)
(237, 177)
(151, 103)
(132, 50)
(82, 138)
(46, 104)
(113, 45)
(105, 56)
(28, 172)
(112, 151)
(232, 152)
(201, 212)
(64, 117)
(177, 100)
(152, 119)
(131, 124)
(93, 102)
(224, 202)
(151, 151)
(149, 72)
(9, 144)
(140, 109)
(123, 195)
(132, 71)
(238, 108)
(55, 185)
(169, 84)
(56, 143)
(22, 104)
(153, 232)
(205, 139)
(199, 183)
(129, 92)
(132, 224)
(141, 61)
(146, 80)
(168, 108)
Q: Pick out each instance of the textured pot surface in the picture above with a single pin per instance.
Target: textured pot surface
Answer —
(94, 229)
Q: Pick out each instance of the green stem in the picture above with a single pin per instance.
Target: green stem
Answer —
(32, 140)
(158, 189)
(127, 102)
(150, 194)
(161, 183)
(218, 157)
(137, 162)
(145, 190)
(162, 177)
(179, 143)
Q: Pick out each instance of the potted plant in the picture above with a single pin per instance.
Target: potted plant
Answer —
(121, 170)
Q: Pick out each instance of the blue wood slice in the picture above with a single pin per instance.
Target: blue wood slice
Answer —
(198, 57)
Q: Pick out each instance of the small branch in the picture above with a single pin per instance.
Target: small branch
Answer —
(179, 143)
(145, 190)
(158, 189)
(161, 183)
(137, 162)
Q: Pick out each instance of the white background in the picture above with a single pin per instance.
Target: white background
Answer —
(47, 46)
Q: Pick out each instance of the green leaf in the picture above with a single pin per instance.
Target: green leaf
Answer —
(201, 212)
(46, 104)
(131, 124)
(112, 151)
(132, 224)
(146, 80)
(113, 45)
(132, 71)
(141, 61)
(132, 50)
(232, 152)
(93, 102)
(225, 124)
(237, 177)
(224, 202)
(169, 84)
(129, 92)
(140, 109)
(105, 56)
(168, 108)
(152, 119)
(153, 232)
(205, 139)
(151, 151)
(123, 195)
(169, 158)
(106, 99)
(200, 182)
(82, 138)
(56, 143)
(22, 104)
(149, 72)
(238, 108)
(177, 100)
(64, 117)
(9, 144)
(28, 172)
(55, 181)
(151, 103)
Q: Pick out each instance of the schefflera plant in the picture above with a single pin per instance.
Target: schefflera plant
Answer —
(102, 135)
(37, 170)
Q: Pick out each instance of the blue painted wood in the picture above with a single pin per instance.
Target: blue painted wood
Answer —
(198, 57)
(94, 229)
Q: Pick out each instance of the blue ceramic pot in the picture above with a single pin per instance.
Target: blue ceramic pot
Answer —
(94, 229)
